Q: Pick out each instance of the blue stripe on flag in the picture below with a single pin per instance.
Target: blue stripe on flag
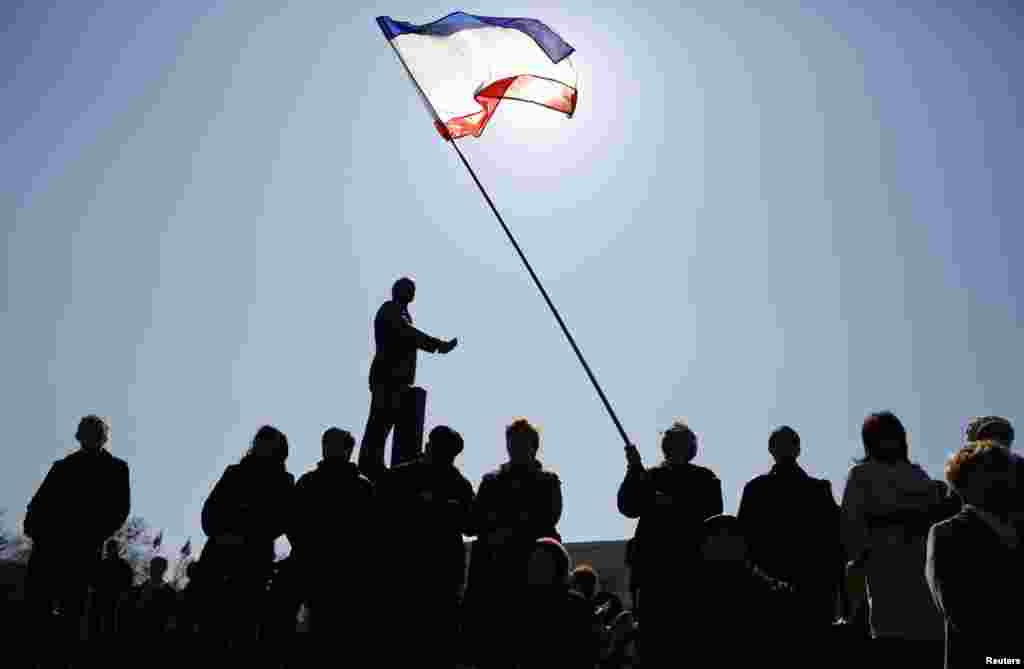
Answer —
(547, 39)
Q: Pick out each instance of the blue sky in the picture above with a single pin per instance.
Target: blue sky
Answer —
(760, 214)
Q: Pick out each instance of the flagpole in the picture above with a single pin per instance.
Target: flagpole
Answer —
(515, 244)
(544, 293)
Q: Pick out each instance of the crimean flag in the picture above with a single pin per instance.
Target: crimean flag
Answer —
(464, 65)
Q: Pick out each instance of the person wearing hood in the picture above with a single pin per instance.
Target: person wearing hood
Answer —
(428, 503)
(671, 501)
(332, 519)
(515, 505)
(245, 513)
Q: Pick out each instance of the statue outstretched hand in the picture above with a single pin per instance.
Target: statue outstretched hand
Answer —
(447, 346)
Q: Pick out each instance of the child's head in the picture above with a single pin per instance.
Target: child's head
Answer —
(724, 541)
(549, 564)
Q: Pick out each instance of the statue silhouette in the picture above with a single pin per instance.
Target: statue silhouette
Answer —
(392, 374)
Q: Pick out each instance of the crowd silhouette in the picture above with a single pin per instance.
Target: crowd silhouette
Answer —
(903, 571)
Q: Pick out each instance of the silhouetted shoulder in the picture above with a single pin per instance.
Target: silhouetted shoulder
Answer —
(859, 470)
(549, 476)
(703, 472)
(757, 482)
(491, 476)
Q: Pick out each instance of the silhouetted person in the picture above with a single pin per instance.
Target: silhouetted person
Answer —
(392, 374)
(154, 602)
(428, 505)
(333, 542)
(83, 500)
(887, 509)
(974, 559)
(245, 513)
(743, 610)
(515, 505)
(556, 626)
(672, 500)
(113, 581)
(791, 521)
(191, 606)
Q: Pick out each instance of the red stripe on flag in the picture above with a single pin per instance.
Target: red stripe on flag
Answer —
(526, 88)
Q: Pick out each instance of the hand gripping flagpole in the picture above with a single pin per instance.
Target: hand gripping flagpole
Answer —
(519, 250)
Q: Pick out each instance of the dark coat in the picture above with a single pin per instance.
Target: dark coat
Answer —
(557, 628)
(394, 363)
(970, 572)
(252, 500)
(527, 500)
(670, 533)
(115, 575)
(740, 599)
(434, 528)
(791, 521)
(152, 608)
(84, 499)
(333, 510)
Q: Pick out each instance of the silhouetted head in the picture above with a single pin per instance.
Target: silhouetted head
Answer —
(93, 432)
(403, 291)
(157, 569)
(548, 564)
(584, 580)
(444, 444)
(784, 444)
(269, 444)
(724, 541)
(679, 443)
(990, 428)
(884, 437)
(522, 440)
(337, 444)
(985, 474)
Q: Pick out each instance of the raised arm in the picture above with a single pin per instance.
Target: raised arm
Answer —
(635, 492)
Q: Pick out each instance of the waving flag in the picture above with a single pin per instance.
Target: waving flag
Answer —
(464, 65)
